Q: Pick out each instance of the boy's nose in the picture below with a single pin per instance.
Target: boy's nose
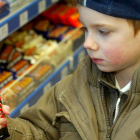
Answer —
(90, 44)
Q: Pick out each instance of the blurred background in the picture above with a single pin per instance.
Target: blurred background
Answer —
(41, 42)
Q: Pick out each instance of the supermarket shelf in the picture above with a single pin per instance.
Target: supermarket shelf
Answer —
(16, 20)
(60, 73)
(78, 56)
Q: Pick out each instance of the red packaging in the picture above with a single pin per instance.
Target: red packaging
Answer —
(28, 26)
(46, 14)
(74, 20)
(42, 25)
(54, 14)
(66, 13)
(17, 56)
(6, 54)
(19, 67)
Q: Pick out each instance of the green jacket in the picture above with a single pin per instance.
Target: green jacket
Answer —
(79, 108)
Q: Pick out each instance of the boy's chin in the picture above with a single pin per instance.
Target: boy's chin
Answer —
(104, 69)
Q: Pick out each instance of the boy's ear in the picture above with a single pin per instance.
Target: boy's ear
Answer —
(137, 34)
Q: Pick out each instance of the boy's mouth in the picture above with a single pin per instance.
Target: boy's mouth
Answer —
(96, 60)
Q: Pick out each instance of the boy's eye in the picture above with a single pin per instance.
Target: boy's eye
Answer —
(104, 32)
(84, 29)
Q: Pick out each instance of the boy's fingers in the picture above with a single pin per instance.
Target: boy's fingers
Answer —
(6, 110)
(2, 125)
(3, 121)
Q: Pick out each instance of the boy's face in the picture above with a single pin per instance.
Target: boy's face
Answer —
(110, 41)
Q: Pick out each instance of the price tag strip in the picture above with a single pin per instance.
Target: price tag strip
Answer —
(64, 72)
(3, 31)
(24, 108)
(23, 18)
(47, 87)
(41, 6)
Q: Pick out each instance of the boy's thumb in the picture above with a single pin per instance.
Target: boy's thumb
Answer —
(6, 109)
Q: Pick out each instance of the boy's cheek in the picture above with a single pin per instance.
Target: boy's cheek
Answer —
(115, 56)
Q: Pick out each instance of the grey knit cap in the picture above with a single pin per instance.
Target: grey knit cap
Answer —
(128, 9)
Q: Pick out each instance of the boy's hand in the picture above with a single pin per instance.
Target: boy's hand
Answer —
(3, 120)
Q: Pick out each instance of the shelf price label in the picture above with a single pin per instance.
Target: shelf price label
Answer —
(47, 87)
(41, 6)
(64, 72)
(3, 31)
(81, 56)
(23, 18)
(53, 1)
(24, 108)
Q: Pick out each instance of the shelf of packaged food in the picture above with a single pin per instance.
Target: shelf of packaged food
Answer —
(63, 70)
(20, 17)
(78, 56)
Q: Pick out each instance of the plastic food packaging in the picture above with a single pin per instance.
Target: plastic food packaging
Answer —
(16, 57)
(4, 8)
(9, 98)
(58, 32)
(15, 37)
(5, 55)
(77, 38)
(50, 10)
(42, 27)
(42, 71)
(23, 88)
(63, 14)
(5, 77)
(19, 67)
(73, 20)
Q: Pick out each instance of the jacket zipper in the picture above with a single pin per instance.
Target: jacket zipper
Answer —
(108, 121)
(112, 118)
(109, 128)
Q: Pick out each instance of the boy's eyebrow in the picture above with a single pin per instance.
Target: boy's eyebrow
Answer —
(99, 25)
(102, 25)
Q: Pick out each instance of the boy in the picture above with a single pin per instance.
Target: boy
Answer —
(100, 100)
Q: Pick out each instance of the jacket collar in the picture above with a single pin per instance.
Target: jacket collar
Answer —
(135, 85)
(95, 75)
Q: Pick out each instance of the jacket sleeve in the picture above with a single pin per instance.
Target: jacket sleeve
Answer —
(36, 122)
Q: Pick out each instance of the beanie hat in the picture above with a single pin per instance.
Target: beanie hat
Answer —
(128, 9)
